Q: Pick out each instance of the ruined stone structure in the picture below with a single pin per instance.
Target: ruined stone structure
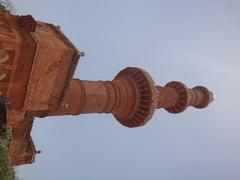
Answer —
(37, 63)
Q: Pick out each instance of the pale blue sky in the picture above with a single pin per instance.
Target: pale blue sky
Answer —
(196, 42)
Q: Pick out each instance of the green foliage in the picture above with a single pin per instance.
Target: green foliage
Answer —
(6, 170)
(7, 6)
(3, 9)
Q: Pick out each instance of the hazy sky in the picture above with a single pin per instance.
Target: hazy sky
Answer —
(193, 41)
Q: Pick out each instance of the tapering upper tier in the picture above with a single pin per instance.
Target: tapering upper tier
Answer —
(178, 97)
(175, 97)
(131, 97)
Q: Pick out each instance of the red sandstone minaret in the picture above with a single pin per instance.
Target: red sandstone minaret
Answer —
(37, 63)
(132, 97)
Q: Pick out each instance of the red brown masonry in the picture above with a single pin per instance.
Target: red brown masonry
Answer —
(131, 97)
(37, 63)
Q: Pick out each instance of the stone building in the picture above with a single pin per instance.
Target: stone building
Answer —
(37, 63)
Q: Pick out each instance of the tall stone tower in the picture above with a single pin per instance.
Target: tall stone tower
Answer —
(37, 63)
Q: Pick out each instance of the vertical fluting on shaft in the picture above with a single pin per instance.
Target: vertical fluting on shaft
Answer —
(117, 97)
(131, 97)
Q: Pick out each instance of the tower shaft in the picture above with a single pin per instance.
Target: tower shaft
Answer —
(84, 97)
(131, 97)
